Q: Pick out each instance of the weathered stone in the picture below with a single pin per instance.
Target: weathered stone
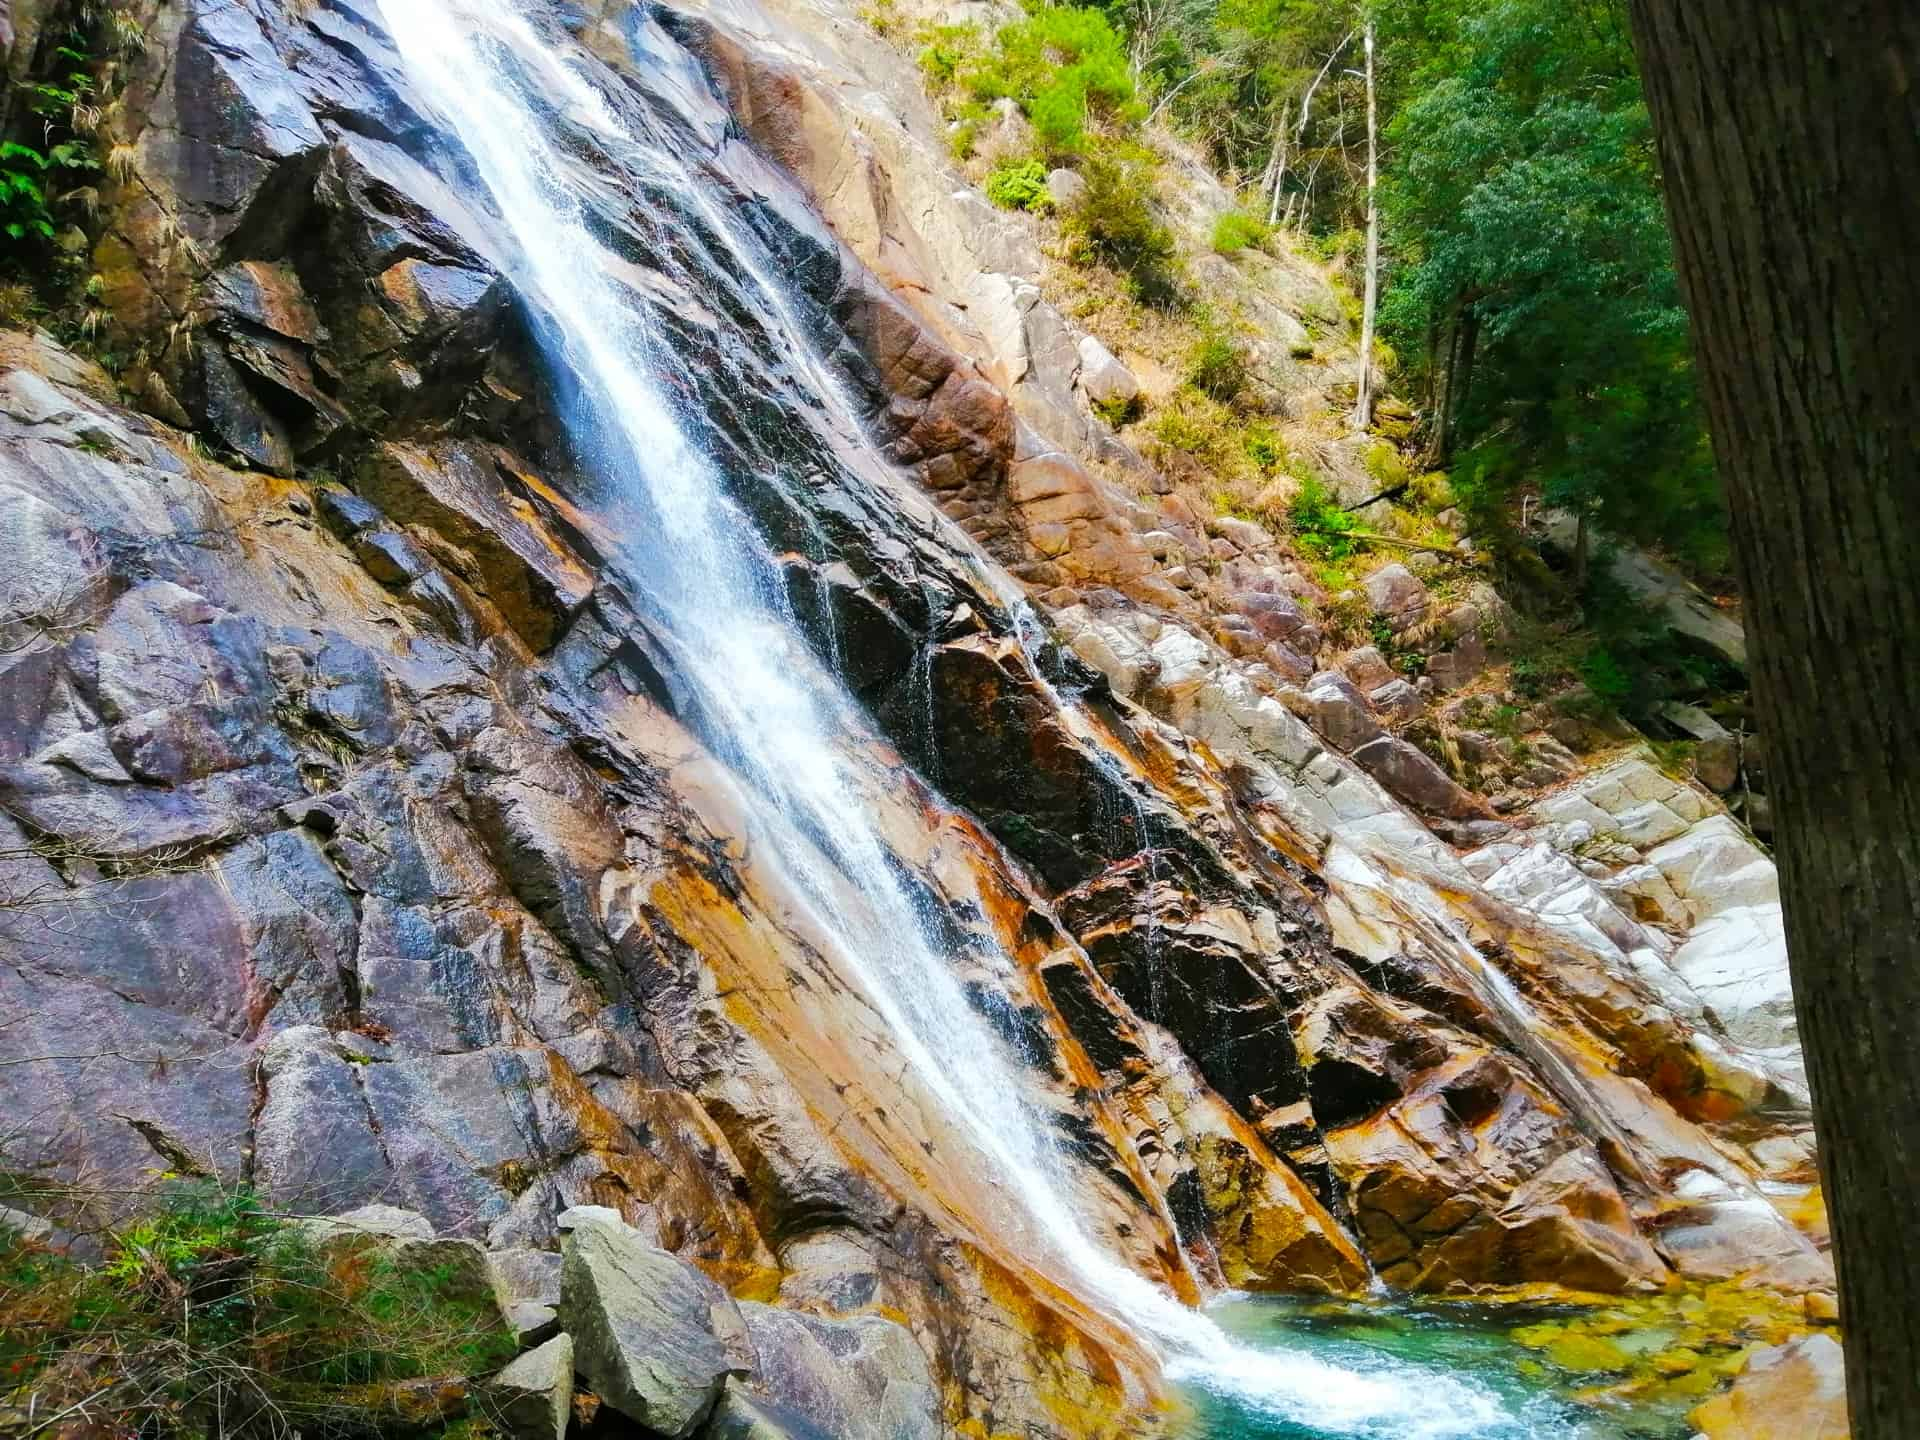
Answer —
(1066, 188)
(861, 1378)
(1413, 776)
(654, 1338)
(532, 1398)
(1336, 710)
(1367, 669)
(1397, 596)
(1106, 381)
(1795, 1391)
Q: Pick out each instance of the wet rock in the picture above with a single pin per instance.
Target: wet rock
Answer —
(533, 1396)
(1795, 1391)
(1477, 1178)
(653, 1337)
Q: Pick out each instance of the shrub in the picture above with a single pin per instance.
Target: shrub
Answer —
(1606, 678)
(1217, 364)
(1114, 224)
(1019, 185)
(945, 50)
(1236, 230)
(1063, 66)
(211, 1316)
(1264, 446)
(1319, 524)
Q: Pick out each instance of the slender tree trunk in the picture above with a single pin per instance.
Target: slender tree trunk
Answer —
(1277, 171)
(1363, 411)
(1789, 136)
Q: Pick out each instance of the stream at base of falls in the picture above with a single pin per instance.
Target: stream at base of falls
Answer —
(1403, 1341)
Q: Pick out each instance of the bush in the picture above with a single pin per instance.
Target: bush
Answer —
(1019, 185)
(211, 1316)
(1236, 230)
(1217, 364)
(1114, 224)
(1319, 524)
(1062, 65)
(945, 51)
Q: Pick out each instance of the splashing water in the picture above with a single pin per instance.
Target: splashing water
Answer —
(777, 720)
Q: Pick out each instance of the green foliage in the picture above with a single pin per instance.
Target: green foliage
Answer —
(1064, 66)
(1319, 524)
(1236, 230)
(1217, 363)
(1114, 224)
(1523, 190)
(209, 1315)
(1019, 185)
(945, 50)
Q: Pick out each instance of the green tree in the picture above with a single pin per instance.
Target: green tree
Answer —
(1535, 276)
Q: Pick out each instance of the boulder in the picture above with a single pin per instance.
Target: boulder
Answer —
(1368, 669)
(1412, 776)
(742, 1415)
(1796, 1391)
(1396, 595)
(1336, 711)
(861, 1378)
(1106, 381)
(532, 1399)
(1066, 187)
(1397, 699)
(654, 1338)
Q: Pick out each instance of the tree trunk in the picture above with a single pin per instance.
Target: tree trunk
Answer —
(1363, 410)
(1789, 138)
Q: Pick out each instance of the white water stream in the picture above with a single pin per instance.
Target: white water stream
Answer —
(508, 93)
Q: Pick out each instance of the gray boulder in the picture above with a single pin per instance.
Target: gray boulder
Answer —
(1396, 594)
(532, 1397)
(1335, 710)
(741, 1415)
(653, 1337)
(862, 1378)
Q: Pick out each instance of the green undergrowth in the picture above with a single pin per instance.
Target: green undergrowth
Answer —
(211, 1315)
(56, 151)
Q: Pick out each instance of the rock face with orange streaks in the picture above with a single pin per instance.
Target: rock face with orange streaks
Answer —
(357, 836)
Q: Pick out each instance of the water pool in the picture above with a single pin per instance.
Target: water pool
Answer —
(1524, 1394)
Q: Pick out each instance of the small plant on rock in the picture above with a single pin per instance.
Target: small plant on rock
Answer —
(1236, 230)
(1019, 185)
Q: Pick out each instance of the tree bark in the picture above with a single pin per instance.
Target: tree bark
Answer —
(1363, 409)
(1789, 135)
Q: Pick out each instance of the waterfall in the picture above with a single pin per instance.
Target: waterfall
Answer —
(763, 705)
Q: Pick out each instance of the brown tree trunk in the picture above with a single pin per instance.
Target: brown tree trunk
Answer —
(1789, 138)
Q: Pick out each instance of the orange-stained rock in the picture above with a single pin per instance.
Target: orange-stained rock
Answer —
(1796, 1391)
(1476, 1178)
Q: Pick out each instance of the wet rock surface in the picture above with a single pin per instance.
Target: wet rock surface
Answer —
(359, 845)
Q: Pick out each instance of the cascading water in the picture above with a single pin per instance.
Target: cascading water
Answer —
(777, 720)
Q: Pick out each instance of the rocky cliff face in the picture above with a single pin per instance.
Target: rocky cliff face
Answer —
(357, 842)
